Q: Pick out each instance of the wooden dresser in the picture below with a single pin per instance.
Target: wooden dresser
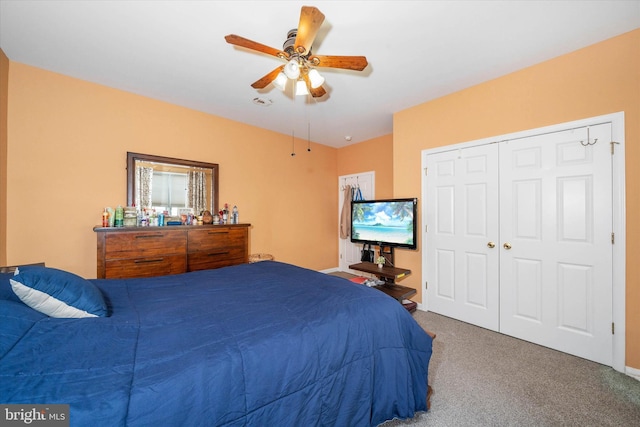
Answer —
(125, 252)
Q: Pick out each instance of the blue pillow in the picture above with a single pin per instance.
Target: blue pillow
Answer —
(6, 293)
(16, 320)
(58, 293)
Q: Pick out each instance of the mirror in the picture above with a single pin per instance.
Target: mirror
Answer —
(171, 185)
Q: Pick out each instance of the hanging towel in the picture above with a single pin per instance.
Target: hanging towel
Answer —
(357, 194)
(345, 215)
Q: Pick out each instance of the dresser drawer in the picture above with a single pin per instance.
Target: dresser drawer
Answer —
(203, 260)
(148, 243)
(146, 267)
(216, 239)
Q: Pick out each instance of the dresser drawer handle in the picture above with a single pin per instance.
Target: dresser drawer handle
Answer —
(217, 253)
(145, 261)
(218, 232)
(149, 236)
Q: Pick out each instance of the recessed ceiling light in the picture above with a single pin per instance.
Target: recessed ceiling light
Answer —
(348, 137)
(265, 102)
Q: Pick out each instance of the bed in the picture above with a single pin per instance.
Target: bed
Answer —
(266, 343)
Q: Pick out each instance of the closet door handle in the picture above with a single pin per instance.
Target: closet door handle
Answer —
(507, 246)
(491, 245)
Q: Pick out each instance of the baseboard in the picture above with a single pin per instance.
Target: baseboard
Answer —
(632, 372)
(329, 270)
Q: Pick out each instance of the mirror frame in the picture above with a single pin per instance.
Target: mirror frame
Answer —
(131, 175)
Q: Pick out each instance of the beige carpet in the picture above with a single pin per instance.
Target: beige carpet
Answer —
(483, 378)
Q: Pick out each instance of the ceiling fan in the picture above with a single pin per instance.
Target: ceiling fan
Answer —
(300, 61)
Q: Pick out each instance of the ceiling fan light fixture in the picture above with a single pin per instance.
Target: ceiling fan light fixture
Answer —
(280, 81)
(301, 88)
(297, 52)
(315, 79)
(292, 69)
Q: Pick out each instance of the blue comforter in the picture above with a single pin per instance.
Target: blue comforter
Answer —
(256, 344)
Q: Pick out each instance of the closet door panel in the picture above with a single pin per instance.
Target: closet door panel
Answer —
(463, 220)
(555, 231)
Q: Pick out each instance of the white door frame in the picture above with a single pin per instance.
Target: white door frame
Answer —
(618, 213)
(343, 180)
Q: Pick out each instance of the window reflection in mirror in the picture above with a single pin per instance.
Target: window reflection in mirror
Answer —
(171, 185)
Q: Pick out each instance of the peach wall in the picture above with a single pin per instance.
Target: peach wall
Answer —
(600, 79)
(67, 145)
(4, 84)
(64, 132)
(372, 155)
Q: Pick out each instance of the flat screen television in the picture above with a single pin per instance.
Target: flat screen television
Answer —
(386, 223)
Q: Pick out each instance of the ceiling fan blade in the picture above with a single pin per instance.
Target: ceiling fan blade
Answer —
(310, 21)
(357, 63)
(250, 44)
(264, 81)
(317, 92)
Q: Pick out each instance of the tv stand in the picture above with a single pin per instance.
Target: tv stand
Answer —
(389, 275)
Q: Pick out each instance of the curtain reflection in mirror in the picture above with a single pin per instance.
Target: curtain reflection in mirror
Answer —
(197, 191)
(144, 178)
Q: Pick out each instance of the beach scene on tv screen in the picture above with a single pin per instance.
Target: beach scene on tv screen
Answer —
(390, 222)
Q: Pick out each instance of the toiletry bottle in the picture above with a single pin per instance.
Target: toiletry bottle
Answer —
(105, 218)
(235, 216)
(119, 222)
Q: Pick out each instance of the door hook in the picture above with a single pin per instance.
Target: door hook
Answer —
(584, 144)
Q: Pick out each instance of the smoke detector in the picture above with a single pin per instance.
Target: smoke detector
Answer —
(264, 102)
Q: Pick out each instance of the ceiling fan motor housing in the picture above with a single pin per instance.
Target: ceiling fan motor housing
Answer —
(288, 45)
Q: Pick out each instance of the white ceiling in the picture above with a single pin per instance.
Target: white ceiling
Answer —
(417, 51)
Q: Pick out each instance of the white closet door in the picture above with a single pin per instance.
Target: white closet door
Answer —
(462, 216)
(555, 232)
